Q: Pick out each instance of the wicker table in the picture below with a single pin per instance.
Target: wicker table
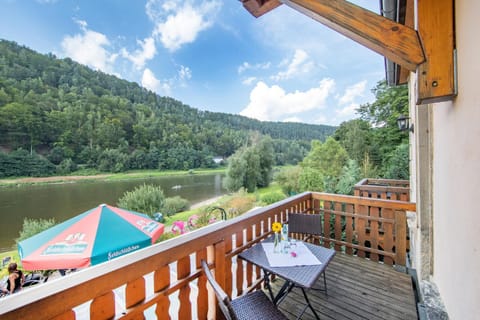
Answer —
(303, 277)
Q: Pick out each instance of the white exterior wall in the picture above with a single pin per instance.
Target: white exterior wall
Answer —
(456, 176)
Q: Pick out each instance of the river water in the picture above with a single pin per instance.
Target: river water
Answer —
(64, 201)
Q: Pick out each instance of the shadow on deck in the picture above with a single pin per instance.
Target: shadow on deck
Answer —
(357, 289)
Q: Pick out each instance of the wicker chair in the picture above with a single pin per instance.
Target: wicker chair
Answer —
(253, 305)
(310, 226)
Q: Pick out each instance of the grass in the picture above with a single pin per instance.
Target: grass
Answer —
(15, 258)
(88, 175)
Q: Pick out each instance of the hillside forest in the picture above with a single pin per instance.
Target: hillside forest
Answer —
(57, 115)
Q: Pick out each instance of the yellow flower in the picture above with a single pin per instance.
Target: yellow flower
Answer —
(276, 227)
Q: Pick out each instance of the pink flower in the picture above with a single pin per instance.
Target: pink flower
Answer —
(178, 227)
(293, 253)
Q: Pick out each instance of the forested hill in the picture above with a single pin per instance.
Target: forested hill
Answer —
(65, 110)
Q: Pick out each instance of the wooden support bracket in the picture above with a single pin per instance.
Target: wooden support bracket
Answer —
(436, 76)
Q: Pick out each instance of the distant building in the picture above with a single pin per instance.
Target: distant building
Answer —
(218, 160)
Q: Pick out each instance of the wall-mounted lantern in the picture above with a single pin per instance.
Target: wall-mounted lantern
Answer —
(404, 123)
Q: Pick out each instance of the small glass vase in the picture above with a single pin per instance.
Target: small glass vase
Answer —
(276, 243)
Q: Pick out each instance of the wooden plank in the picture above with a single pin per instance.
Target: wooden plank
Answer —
(328, 207)
(134, 292)
(338, 225)
(161, 281)
(374, 212)
(361, 227)
(436, 76)
(202, 297)
(228, 266)
(400, 238)
(69, 315)
(388, 237)
(349, 228)
(220, 272)
(183, 271)
(249, 237)
(392, 40)
(103, 307)
(240, 265)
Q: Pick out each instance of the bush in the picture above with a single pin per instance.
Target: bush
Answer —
(288, 179)
(21, 163)
(66, 166)
(33, 226)
(272, 197)
(174, 204)
(146, 199)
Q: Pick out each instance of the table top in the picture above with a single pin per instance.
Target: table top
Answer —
(304, 276)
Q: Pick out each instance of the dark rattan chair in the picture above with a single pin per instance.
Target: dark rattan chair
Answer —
(310, 226)
(253, 305)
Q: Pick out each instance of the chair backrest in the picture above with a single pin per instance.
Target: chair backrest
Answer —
(222, 297)
(305, 223)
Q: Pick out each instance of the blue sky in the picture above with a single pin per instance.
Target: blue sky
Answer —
(212, 55)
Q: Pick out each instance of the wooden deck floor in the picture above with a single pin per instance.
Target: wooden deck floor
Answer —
(357, 289)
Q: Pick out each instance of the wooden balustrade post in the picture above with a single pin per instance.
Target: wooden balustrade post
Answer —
(103, 307)
(202, 298)
(161, 281)
(220, 272)
(183, 271)
(400, 238)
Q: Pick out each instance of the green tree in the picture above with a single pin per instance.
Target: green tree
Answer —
(382, 114)
(146, 199)
(311, 179)
(329, 158)
(265, 151)
(355, 136)
(236, 172)
(397, 165)
(251, 166)
(351, 174)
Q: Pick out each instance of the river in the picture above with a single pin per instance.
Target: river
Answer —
(64, 201)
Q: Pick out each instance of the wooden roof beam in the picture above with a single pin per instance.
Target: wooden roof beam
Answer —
(260, 7)
(393, 40)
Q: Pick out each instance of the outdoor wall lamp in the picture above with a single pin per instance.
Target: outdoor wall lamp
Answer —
(403, 123)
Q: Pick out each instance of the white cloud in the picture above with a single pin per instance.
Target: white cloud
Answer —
(259, 66)
(352, 92)
(274, 104)
(300, 64)
(184, 74)
(90, 48)
(347, 111)
(248, 81)
(141, 56)
(179, 22)
(150, 82)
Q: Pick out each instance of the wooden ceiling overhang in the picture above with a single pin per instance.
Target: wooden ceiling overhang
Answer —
(428, 50)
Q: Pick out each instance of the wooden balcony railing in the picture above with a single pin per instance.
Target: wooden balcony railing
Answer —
(165, 279)
(383, 189)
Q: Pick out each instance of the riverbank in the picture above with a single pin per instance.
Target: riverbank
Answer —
(140, 174)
